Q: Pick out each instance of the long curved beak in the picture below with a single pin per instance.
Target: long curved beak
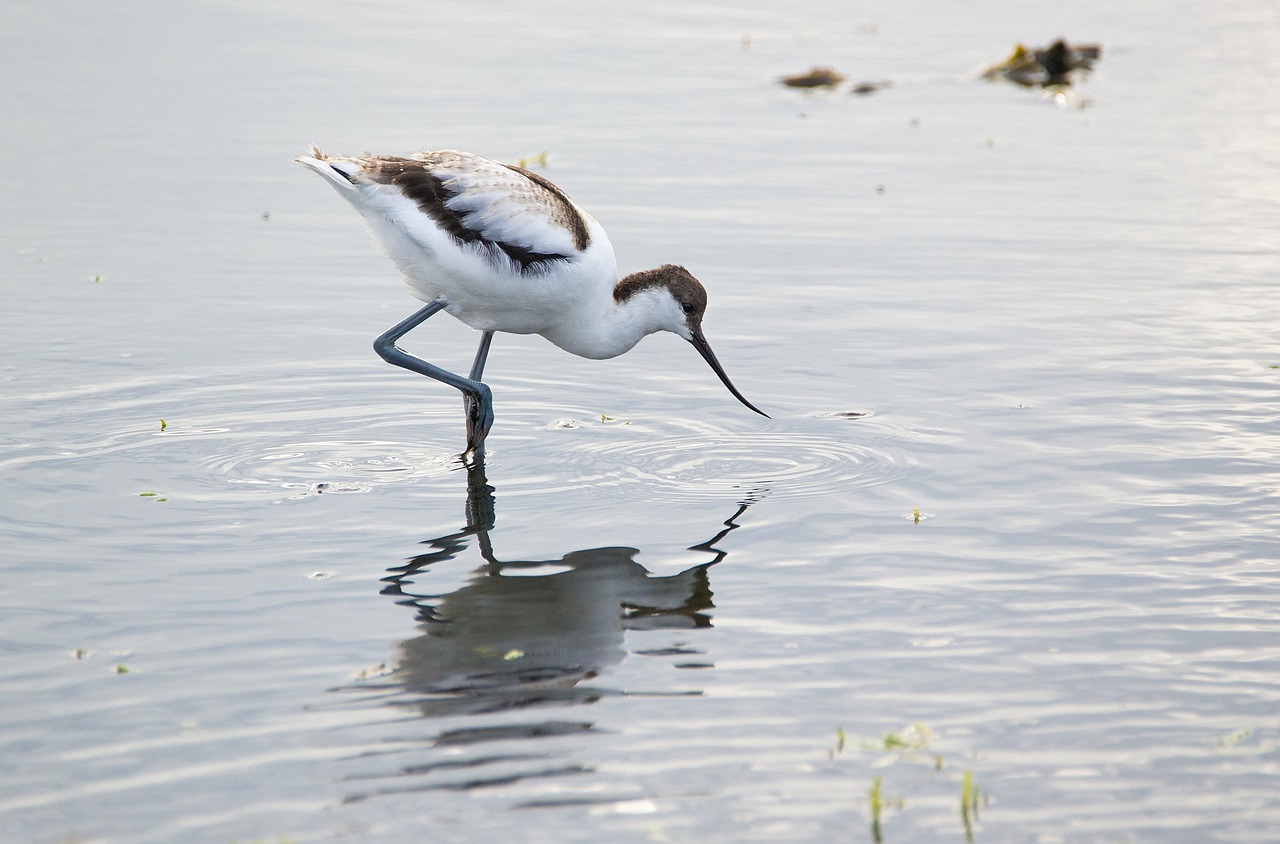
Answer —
(700, 343)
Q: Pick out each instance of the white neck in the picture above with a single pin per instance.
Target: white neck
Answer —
(606, 329)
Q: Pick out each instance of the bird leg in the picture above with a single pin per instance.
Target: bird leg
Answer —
(477, 427)
(482, 355)
(476, 395)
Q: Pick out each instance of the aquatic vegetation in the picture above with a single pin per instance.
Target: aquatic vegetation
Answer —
(157, 496)
(877, 806)
(906, 744)
(877, 803)
(1057, 64)
(163, 424)
(968, 804)
(910, 738)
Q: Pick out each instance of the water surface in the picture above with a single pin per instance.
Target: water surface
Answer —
(1014, 516)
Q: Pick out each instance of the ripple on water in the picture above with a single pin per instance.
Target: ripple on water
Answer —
(265, 431)
(333, 467)
(274, 433)
(810, 460)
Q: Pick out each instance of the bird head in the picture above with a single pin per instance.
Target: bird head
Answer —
(679, 302)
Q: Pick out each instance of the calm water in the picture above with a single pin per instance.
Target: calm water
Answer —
(292, 615)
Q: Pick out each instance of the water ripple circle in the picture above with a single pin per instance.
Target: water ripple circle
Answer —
(707, 465)
(306, 469)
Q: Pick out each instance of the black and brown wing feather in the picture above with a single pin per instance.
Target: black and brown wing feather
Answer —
(503, 209)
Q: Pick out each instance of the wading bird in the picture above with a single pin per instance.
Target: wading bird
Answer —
(503, 249)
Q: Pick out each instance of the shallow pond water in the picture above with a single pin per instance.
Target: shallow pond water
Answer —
(1008, 542)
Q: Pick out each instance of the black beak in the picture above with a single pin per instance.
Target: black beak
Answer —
(700, 343)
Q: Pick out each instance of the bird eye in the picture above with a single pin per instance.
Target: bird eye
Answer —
(688, 307)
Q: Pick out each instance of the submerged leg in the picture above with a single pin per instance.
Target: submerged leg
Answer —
(474, 411)
(479, 399)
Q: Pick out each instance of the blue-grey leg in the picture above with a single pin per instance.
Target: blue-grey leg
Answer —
(479, 399)
(482, 354)
(476, 414)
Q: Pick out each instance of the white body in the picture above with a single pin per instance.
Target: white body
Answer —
(569, 301)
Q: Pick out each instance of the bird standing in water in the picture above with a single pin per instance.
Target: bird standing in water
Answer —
(503, 249)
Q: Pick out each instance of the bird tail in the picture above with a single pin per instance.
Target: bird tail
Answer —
(340, 172)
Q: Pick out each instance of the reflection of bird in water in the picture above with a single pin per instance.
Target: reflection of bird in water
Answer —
(504, 640)
(518, 636)
(503, 249)
(528, 632)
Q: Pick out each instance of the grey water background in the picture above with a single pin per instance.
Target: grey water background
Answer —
(1051, 329)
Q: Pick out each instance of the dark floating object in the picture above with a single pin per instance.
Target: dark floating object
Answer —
(818, 77)
(1046, 66)
(864, 88)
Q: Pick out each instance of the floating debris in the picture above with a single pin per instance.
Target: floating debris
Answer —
(1236, 737)
(538, 159)
(911, 737)
(1055, 65)
(163, 425)
(817, 77)
(864, 88)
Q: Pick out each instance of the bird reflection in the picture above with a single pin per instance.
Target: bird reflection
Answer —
(528, 633)
(520, 636)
